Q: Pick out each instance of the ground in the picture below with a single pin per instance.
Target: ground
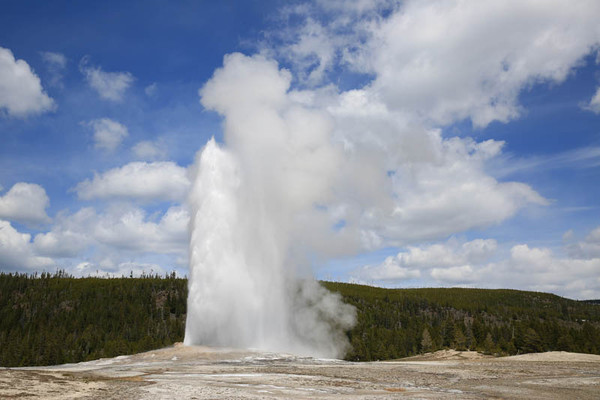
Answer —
(186, 372)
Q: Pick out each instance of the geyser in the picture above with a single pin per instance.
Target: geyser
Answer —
(248, 287)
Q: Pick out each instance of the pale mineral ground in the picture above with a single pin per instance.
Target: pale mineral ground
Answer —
(194, 372)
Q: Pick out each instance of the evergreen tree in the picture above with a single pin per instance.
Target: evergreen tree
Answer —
(426, 342)
(532, 343)
(489, 345)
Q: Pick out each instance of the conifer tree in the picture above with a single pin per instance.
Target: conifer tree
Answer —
(426, 342)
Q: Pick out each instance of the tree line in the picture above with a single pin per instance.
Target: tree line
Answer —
(55, 318)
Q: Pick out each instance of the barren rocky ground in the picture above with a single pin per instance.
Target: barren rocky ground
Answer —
(182, 372)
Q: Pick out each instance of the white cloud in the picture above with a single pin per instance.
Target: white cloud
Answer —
(16, 250)
(472, 264)
(109, 85)
(21, 92)
(588, 248)
(540, 269)
(390, 270)
(128, 229)
(453, 193)
(443, 61)
(405, 183)
(594, 104)
(122, 231)
(141, 181)
(26, 203)
(148, 150)
(452, 275)
(56, 64)
(446, 261)
(69, 237)
(118, 241)
(108, 134)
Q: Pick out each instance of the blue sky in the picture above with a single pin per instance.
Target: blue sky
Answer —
(488, 115)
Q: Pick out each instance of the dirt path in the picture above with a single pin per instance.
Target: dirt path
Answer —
(201, 373)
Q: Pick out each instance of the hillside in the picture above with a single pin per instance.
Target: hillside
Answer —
(60, 319)
(53, 319)
(395, 323)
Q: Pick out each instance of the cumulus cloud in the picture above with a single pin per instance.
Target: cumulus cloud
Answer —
(452, 193)
(391, 269)
(401, 182)
(26, 203)
(108, 134)
(148, 150)
(540, 269)
(448, 261)
(56, 64)
(16, 250)
(588, 248)
(444, 61)
(452, 60)
(142, 181)
(123, 228)
(21, 92)
(120, 228)
(109, 85)
(69, 236)
(129, 229)
(109, 241)
(482, 263)
(454, 275)
(116, 240)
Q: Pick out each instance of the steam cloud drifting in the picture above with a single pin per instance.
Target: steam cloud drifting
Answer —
(248, 288)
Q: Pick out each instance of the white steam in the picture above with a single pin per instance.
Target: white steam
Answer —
(248, 288)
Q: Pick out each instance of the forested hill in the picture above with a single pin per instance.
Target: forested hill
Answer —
(53, 319)
(57, 319)
(394, 323)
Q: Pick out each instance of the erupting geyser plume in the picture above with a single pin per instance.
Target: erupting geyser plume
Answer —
(248, 288)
